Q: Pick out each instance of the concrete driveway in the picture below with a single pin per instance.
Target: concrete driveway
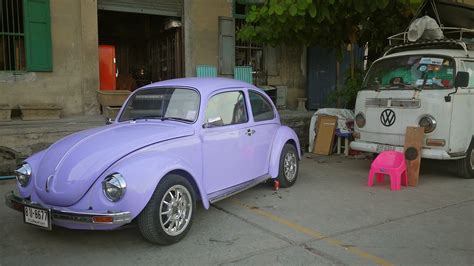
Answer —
(330, 217)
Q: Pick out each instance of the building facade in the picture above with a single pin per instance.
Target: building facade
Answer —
(49, 48)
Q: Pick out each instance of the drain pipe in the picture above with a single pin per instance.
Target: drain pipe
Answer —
(7, 177)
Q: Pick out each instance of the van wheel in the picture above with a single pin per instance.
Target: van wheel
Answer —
(466, 165)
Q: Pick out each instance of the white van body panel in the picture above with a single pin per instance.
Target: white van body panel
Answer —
(454, 119)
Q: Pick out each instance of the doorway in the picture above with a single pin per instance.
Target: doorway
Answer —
(148, 48)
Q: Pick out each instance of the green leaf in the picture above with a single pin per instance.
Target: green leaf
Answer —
(271, 10)
(279, 10)
(382, 3)
(309, 1)
(331, 2)
(293, 10)
(359, 5)
(251, 17)
(312, 11)
(302, 5)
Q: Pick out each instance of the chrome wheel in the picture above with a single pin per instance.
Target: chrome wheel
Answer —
(290, 166)
(175, 210)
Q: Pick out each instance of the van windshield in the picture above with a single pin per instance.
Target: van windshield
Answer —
(411, 72)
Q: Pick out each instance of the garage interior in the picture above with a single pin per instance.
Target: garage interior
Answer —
(148, 47)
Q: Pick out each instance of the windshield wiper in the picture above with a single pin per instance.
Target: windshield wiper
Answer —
(145, 117)
(408, 86)
(175, 118)
(436, 85)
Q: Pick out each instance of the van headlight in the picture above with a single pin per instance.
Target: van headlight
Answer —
(360, 120)
(23, 174)
(428, 122)
(114, 187)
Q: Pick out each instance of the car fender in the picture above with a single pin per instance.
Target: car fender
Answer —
(282, 136)
(143, 173)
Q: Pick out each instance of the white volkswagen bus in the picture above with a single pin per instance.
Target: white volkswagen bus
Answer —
(428, 84)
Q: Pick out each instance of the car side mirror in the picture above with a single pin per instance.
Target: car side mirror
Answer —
(462, 79)
(213, 122)
(109, 121)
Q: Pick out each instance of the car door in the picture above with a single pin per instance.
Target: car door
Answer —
(226, 144)
(263, 129)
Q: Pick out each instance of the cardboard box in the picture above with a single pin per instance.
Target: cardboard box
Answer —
(324, 139)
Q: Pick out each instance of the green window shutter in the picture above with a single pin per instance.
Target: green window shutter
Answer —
(226, 45)
(37, 35)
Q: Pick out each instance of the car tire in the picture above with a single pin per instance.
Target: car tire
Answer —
(172, 204)
(466, 165)
(289, 168)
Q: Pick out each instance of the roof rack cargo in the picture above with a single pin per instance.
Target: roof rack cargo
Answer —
(399, 42)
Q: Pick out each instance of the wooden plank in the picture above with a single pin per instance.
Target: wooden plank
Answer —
(326, 126)
(413, 143)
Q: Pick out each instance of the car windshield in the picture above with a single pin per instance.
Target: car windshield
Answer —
(178, 104)
(411, 72)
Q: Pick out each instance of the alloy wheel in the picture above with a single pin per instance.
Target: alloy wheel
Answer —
(175, 210)
(290, 166)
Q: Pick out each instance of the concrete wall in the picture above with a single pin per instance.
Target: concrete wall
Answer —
(201, 29)
(291, 62)
(75, 76)
(201, 37)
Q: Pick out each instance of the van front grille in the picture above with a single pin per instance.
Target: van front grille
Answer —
(394, 103)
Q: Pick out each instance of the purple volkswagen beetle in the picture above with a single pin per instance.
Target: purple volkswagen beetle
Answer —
(173, 143)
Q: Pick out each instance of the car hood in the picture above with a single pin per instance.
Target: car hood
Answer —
(70, 166)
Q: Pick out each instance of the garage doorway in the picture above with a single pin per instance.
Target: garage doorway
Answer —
(148, 48)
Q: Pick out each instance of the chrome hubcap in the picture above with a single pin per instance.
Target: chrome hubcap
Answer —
(290, 166)
(175, 210)
(472, 159)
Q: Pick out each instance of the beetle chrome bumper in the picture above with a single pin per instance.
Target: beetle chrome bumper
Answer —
(112, 218)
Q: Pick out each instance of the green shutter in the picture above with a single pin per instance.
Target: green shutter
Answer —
(37, 35)
(226, 45)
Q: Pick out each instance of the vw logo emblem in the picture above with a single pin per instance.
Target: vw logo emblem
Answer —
(387, 117)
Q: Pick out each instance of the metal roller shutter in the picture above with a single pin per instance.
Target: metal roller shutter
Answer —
(172, 8)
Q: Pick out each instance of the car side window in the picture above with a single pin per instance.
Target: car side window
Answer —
(469, 67)
(227, 108)
(261, 109)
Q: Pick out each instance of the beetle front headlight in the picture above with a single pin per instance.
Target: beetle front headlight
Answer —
(114, 187)
(23, 174)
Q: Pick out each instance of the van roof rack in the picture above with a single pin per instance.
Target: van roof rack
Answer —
(399, 42)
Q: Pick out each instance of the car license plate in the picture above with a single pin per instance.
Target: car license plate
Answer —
(37, 216)
(383, 147)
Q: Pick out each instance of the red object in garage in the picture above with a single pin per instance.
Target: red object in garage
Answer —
(107, 67)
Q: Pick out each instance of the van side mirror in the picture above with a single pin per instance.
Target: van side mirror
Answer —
(109, 121)
(462, 79)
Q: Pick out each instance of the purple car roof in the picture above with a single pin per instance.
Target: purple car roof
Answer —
(204, 85)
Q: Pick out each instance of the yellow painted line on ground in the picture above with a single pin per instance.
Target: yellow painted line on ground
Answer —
(315, 234)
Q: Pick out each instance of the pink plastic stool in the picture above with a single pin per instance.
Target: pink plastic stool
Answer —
(390, 163)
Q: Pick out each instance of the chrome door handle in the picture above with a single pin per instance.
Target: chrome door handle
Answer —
(250, 132)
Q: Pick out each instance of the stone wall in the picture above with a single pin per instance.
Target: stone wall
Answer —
(291, 62)
(299, 122)
(75, 76)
